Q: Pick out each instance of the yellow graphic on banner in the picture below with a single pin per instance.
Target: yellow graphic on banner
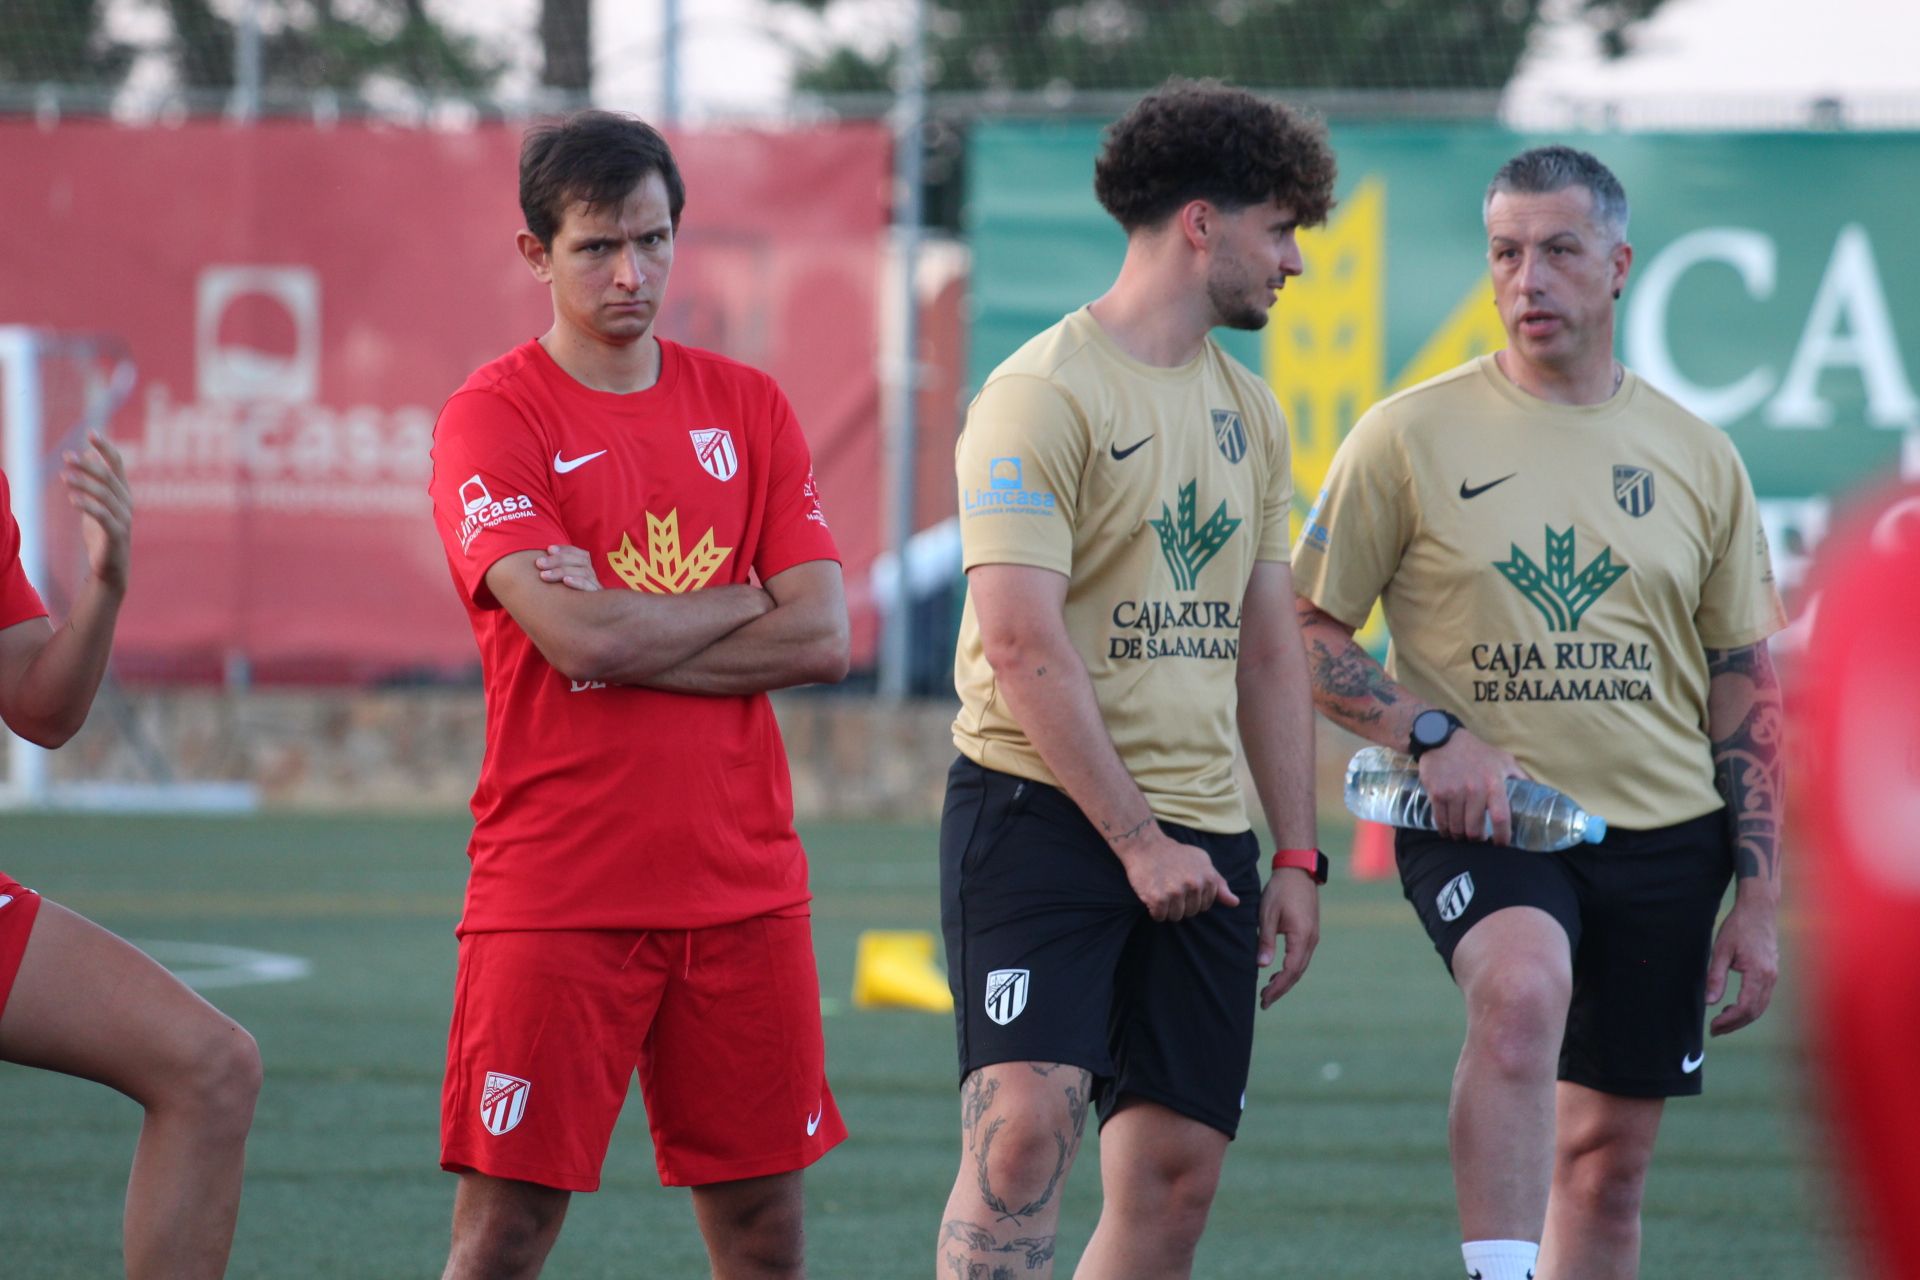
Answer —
(666, 571)
(1326, 345)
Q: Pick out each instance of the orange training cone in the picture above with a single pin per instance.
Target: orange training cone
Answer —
(1372, 851)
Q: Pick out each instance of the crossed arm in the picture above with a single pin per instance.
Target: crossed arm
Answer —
(719, 640)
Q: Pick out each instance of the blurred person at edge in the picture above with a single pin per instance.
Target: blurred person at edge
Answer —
(638, 898)
(1100, 881)
(75, 998)
(1856, 691)
(1631, 673)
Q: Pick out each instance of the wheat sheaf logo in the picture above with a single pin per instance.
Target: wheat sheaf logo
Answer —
(1560, 594)
(1187, 547)
(667, 570)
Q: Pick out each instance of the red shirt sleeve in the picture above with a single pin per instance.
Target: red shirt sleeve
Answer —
(18, 600)
(491, 488)
(796, 526)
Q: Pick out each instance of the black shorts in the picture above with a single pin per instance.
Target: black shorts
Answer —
(1052, 958)
(1639, 911)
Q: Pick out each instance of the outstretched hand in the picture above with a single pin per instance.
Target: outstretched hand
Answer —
(96, 483)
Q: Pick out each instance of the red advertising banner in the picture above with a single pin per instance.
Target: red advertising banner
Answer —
(299, 301)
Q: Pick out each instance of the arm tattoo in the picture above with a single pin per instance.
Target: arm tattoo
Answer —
(1115, 837)
(1744, 721)
(1349, 686)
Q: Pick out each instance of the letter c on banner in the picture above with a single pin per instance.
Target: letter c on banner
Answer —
(1751, 253)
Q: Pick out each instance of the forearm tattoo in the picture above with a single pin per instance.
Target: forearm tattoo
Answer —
(1349, 687)
(1004, 1245)
(1744, 720)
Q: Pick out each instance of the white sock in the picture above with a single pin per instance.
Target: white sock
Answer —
(1500, 1259)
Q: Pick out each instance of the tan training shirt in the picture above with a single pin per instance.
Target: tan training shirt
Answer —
(1553, 575)
(1154, 491)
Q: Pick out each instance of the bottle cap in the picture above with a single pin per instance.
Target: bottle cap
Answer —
(1596, 830)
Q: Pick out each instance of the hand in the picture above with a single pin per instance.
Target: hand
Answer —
(97, 487)
(1290, 909)
(1174, 880)
(1749, 943)
(569, 565)
(1467, 782)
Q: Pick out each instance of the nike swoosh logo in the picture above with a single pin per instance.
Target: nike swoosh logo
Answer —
(813, 1121)
(1119, 453)
(1691, 1062)
(1475, 492)
(564, 465)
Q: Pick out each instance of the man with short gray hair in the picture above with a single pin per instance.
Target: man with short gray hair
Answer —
(1578, 590)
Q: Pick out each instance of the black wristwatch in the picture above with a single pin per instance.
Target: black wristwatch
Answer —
(1432, 728)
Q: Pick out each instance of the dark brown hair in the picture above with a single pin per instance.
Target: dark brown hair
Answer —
(593, 158)
(1204, 140)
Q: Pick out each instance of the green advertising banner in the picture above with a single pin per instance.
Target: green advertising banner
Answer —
(1775, 288)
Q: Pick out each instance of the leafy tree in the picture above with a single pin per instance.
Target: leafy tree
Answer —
(1039, 45)
(58, 41)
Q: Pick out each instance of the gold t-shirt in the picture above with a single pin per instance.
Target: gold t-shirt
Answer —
(1553, 575)
(1154, 491)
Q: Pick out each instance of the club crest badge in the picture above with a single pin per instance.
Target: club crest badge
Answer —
(1006, 994)
(1633, 490)
(714, 448)
(503, 1101)
(1453, 899)
(1230, 434)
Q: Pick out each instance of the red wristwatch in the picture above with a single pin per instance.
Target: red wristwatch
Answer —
(1311, 861)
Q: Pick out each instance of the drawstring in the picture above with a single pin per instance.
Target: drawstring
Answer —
(688, 971)
(638, 942)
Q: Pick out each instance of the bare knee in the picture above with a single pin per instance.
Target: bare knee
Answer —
(754, 1229)
(1019, 1159)
(1604, 1180)
(503, 1230)
(1516, 1018)
(214, 1078)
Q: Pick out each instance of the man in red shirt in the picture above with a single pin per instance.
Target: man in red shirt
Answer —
(75, 998)
(638, 897)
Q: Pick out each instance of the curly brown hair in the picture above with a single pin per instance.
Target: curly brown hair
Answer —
(1204, 140)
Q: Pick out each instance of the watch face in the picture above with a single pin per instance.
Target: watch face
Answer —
(1431, 728)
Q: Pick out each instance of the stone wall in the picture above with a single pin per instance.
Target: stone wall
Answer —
(419, 749)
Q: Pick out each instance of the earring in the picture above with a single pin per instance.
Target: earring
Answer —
(1616, 295)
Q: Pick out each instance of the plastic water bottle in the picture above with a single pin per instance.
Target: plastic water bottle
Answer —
(1384, 786)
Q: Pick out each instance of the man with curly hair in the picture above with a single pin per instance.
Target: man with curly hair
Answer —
(1124, 492)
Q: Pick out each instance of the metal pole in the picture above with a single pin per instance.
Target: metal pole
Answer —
(26, 470)
(670, 62)
(246, 63)
(910, 118)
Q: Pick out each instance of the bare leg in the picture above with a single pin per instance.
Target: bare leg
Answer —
(1516, 972)
(503, 1229)
(754, 1228)
(1158, 1173)
(88, 1004)
(1020, 1128)
(1600, 1171)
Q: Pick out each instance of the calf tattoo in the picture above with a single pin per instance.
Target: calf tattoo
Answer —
(1744, 720)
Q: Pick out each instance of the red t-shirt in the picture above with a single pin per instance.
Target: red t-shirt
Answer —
(622, 807)
(18, 600)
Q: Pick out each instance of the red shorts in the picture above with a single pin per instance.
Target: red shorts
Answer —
(723, 1025)
(18, 907)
